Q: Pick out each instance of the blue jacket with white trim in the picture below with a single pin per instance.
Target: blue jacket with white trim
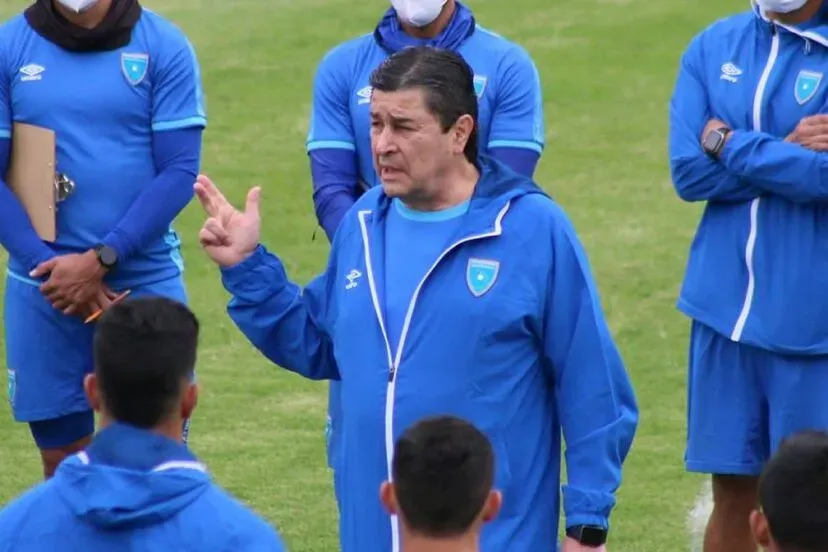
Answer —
(132, 490)
(757, 260)
(522, 358)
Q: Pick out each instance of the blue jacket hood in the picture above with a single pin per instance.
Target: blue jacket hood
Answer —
(391, 36)
(130, 478)
(498, 184)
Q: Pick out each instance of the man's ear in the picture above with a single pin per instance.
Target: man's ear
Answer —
(760, 529)
(388, 498)
(491, 508)
(463, 128)
(189, 401)
(90, 387)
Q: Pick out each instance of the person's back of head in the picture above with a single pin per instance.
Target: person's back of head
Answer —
(442, 476)
(793, 496)
(145, 355)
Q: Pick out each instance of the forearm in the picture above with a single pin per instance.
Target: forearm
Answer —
(599, 425)
(149, 217)
(277, 317)
(17, 234)
(776, 166)
(700, 178)
(335, 174)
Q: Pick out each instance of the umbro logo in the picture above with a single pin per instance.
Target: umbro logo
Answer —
(364, 95)
(32, 72)
(730, 72)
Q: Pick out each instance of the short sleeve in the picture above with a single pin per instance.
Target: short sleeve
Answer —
(517, 120)
(330, 120)
(178, 96)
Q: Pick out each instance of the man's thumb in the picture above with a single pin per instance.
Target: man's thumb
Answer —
(43, 268)
(251, 207)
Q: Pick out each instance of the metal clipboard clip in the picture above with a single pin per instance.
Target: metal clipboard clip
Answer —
(64, 187)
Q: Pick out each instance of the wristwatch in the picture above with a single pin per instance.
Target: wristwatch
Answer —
(588, 535)
(714, 140)
(107, 256)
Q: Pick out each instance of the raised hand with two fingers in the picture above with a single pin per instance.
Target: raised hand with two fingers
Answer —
(228, 236)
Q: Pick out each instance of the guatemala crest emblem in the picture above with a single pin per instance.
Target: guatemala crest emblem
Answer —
(480, 84)
(807, 83)
(134, 67)
(481, 275)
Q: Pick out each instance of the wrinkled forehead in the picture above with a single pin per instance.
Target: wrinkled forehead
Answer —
(401, 104)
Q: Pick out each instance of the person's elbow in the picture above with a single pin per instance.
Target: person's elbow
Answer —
(687, 180)
(628, 415)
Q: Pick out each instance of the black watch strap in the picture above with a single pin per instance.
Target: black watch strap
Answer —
(588, 535)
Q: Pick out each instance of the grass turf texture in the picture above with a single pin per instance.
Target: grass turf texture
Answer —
(607, 68)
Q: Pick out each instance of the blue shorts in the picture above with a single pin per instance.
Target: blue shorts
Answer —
(742, 401)
(48, 354)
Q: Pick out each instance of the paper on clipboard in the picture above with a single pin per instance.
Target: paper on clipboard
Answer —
(31, 176)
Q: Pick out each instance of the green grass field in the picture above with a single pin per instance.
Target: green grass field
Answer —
(607, 68)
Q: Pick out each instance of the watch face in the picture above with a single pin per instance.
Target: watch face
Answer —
(593, 536)
(108, 256)
(712, 140)
(588, 536)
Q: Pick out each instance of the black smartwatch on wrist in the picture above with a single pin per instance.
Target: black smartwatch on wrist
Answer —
(714, 140)
(588, 535)
(107, 256)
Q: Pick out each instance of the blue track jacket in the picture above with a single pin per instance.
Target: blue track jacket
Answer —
(132, 490)
(756, 266)
(522, 356)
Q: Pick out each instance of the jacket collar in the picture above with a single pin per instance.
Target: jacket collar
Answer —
(497, 186)
(124, 446)
(817, 33)
(392, 38)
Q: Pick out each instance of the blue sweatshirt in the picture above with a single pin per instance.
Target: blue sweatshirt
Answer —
(756, 263)
(132, 490)
(128, 126)
(505, 329)
(510, 120)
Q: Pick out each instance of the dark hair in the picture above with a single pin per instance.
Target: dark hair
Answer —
(443, 471)
(446, 78)
(793, 493)
(145, 351)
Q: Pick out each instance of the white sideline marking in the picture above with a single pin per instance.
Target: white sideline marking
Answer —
(698, 516)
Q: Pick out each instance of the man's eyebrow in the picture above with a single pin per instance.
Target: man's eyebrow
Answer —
(395, 119)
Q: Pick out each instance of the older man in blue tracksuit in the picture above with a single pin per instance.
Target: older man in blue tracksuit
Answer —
(339, 143)
(490, 314)
(748, 137)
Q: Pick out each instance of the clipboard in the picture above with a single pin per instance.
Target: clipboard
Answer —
(31, 176)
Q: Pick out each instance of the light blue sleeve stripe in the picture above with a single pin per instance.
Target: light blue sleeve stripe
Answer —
(197, 82)
(4, 133)
(534, 146)
(181, 123)
(22, 279)
(330, 144)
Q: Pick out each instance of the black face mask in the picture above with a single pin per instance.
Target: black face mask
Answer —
(115, 31)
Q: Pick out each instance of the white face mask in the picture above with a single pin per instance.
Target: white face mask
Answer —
(418, 12)
(78, 6)
(781, 6)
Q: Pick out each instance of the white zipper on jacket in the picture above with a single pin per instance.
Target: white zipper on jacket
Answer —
(394, 358)
(750, 246)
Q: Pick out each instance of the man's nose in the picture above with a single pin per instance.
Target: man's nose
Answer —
(384, 141)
